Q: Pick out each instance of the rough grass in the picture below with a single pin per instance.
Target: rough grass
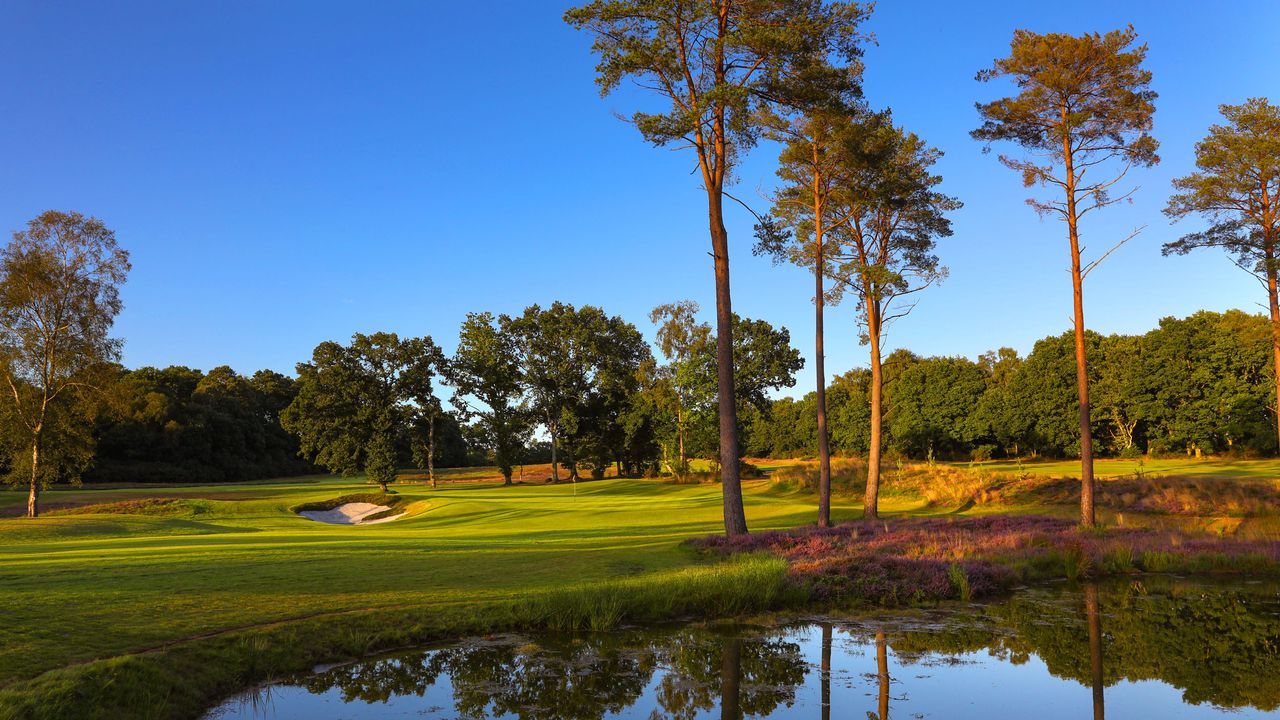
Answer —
(914, 560)
(1199, 488)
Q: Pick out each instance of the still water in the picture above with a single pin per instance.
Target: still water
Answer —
(1160, 647)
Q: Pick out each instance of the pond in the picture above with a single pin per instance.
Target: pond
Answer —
(1161, 647)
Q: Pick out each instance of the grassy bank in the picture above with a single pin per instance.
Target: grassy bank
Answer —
(182, 679)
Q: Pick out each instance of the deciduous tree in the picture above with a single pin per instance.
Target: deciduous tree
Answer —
(488, 387)
(1083, 114)
(59, 296)
(356, 401)
(678, 387)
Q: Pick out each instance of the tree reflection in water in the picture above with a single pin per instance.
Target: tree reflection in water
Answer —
(1217, 645)
(590, 677)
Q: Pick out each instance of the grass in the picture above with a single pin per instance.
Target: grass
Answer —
(96, 586)
(1268, 469)
(139, 602)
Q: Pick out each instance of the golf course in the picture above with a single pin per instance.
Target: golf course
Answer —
(155, 601)
(378, 361)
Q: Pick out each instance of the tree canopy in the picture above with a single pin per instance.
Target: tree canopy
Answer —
(355, 401)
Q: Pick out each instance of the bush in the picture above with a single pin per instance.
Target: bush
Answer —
(983, 453)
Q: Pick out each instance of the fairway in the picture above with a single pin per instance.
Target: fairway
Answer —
(233, 557)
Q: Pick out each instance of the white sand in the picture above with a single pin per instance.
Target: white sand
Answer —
(350, 514)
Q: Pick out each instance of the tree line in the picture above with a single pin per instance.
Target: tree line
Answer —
(1192, 386)
(570, 385)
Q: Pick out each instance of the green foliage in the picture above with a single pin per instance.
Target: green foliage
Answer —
(931, 402)
(1236, 188)
(892, 216)
(1083, 101)
(488, 387)
(718, 63)
(178, 425)
(764, 361)
(1205, 384)
(60, 284)
(960, 581)
(581, 369)
(355, 401)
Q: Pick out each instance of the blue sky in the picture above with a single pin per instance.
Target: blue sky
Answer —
(291, 172)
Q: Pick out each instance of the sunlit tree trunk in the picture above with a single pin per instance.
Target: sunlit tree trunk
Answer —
(819, 356)
(871, 500)
(552, 427)
(1273, 304)
(33, 499)
(714, 168)
(683, 457)
(1087, 515)
(735, 519)
(431, 449)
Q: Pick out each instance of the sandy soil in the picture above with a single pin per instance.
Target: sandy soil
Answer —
(350, 514)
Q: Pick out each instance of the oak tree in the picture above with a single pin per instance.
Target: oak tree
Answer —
(488, 387)
(356, 401)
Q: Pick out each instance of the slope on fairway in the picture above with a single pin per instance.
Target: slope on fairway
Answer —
(75, 587)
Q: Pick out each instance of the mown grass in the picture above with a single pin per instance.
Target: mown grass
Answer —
(95, 589)
(153, 602)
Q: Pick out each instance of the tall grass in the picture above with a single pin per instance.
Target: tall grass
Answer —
(1141, 491)
(750, 583)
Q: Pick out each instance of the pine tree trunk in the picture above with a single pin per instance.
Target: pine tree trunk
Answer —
(1087, 515)
(819, 358)
(735, 519)
(871, 500)
(1273, 303)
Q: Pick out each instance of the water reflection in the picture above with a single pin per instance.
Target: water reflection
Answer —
(1094, 618)
(1155, 648)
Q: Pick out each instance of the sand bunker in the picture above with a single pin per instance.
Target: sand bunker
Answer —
(350, 514)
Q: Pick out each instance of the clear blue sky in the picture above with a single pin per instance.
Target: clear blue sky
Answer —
(291, 172)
